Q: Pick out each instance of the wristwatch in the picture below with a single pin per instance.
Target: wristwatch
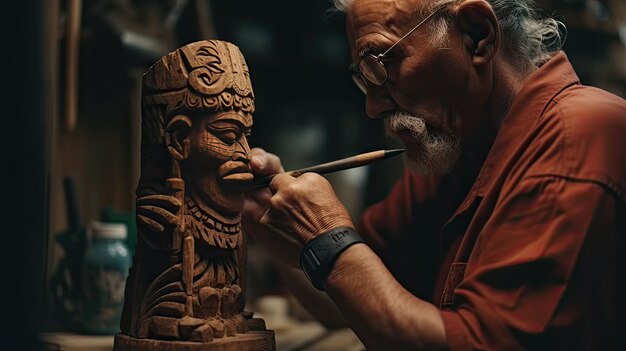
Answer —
(318, 256)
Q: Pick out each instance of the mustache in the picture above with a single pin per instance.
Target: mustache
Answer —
(436, 150)
(401, 121)
(397, 122)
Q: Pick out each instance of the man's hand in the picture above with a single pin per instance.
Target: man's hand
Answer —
(292, 211)
(257, 203)
(304, 207)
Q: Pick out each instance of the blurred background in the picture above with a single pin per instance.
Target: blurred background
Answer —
(75, 68)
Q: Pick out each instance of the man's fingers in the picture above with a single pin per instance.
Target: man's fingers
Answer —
(280, 180)
(264, 163)
(258, 197)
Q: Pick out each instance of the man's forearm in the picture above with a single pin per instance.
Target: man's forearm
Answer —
(381, 312)
(316, 302)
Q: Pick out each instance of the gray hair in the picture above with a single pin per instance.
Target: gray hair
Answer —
(529, 37)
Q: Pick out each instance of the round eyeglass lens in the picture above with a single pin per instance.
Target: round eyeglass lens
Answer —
(373, 70)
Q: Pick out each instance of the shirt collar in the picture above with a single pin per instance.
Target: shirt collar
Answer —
(527, 106)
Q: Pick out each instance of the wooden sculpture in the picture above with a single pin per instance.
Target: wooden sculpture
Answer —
(185, 290)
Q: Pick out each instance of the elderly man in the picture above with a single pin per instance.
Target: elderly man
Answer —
(506, 233)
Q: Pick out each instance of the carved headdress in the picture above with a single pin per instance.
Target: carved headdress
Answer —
(205, 75)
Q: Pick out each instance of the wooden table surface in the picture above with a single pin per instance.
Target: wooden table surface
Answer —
(290, 336)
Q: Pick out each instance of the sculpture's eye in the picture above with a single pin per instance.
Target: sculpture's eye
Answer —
(229, 137)
(226, 132)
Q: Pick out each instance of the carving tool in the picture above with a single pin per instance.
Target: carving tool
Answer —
(333, 166)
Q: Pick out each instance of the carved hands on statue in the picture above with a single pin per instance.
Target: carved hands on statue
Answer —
(302, 208)
(256, 203)
(158, 214)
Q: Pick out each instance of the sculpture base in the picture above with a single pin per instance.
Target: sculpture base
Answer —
(250, 341)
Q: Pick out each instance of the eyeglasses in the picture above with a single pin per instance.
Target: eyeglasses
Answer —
(371, 69)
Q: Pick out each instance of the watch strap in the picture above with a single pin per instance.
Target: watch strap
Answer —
(318, 256)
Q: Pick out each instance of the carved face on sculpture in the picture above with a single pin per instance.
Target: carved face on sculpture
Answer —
(198, 105)
(218, 161)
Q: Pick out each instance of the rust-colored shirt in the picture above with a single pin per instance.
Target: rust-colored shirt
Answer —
(529, 253)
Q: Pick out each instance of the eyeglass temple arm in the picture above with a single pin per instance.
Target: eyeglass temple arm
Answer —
(408, 33)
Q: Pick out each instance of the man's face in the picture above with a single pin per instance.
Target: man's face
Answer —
(425, 96)
(219, 159)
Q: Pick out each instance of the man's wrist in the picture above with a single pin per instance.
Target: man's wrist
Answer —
(318, 256)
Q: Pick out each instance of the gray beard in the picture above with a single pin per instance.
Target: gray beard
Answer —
(437, 151)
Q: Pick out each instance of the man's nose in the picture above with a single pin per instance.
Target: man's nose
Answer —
(378, 101)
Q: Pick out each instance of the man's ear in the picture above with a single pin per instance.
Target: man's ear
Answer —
(478, 25)
(177, 137)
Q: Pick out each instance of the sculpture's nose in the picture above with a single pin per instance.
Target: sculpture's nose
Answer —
(242, 151)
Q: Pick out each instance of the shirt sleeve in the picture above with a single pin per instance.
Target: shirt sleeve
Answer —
(536, 268)
(386, 221)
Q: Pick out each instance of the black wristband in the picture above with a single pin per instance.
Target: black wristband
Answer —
(318, 256)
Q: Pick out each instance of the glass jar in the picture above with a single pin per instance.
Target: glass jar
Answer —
(106, 264)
